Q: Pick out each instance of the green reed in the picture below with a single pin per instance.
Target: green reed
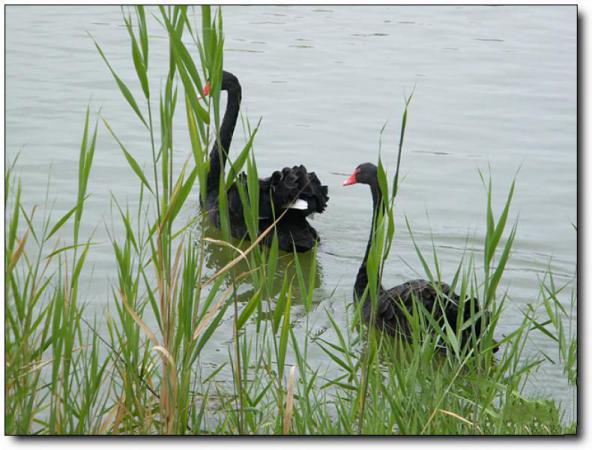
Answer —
(142, 369)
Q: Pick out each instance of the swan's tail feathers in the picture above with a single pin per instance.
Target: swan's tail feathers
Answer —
(295, 188)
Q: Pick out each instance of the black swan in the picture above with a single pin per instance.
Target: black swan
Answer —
(293, 192)
(436, 297)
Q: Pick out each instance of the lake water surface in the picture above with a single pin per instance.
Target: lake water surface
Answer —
(494, 87)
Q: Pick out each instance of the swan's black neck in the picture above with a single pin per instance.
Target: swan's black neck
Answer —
(362, 278)
(221, 147)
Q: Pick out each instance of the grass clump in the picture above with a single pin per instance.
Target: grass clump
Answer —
(142, 369)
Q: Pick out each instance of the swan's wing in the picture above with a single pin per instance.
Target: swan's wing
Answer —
(395, 303)
(292, 188)
(315, 193)
(439, 300)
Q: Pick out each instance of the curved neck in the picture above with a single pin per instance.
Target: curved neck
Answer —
(362, 278)
(220, 149)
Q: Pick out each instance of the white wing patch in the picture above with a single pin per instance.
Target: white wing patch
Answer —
(299, 204)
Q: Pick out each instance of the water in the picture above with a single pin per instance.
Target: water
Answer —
(494, 87)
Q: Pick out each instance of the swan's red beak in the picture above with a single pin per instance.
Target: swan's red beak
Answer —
(351, 180)
(206, 89)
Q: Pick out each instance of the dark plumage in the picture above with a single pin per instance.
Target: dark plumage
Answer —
(293, 189)
(437, 298)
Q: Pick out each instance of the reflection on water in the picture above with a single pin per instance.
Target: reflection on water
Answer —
(302, 268)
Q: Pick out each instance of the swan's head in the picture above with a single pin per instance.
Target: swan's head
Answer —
(229, 83)
(364, 174)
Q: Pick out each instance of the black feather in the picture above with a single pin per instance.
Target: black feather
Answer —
(276, 193)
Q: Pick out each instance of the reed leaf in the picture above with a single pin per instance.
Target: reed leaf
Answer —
(130, 159)
(122, 87)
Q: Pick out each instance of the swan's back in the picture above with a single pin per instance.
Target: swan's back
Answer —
(276, 194)
(437, 298)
